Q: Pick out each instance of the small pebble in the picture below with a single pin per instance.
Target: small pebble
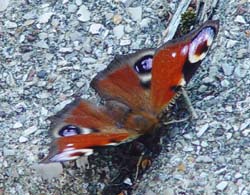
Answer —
(135, 13)
(23, 139)
(9, 24)
(78, 2)
(83, 14)
(124, 42)
(45, 17)
(42, 74)
(128, 181)
(42, 44)
(30, 130)
(202, 129)
(117, 19)
(49, 170)
(204, 159)
(17, 125)
(222, 185)
(118, 31)
(96, 28)
(227, 68)
(240, 19)
(66, 50)
(4, 4)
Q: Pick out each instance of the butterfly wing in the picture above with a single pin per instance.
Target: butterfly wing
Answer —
(175, 62)
(127, 79)
(81, 126)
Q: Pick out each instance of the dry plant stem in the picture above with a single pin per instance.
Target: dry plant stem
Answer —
(174, 23)
(189, 104)
(138, 166)
(176, 121)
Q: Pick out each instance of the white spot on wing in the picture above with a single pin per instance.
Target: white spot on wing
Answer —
(86, 130)
(184, 50)
(145, 78)
(66, 154)
(173, 54)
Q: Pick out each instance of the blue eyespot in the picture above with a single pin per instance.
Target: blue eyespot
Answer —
(144, 65)
(69, 130)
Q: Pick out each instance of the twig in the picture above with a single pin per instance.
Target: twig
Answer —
(188, 103)
(174, 23)
(176, 121)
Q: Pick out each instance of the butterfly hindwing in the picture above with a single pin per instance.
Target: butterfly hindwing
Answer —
(82, 126)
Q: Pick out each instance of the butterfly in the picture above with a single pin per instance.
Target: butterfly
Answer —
(136, 89)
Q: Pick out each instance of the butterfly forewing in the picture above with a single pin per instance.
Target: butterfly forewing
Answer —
(175, 62)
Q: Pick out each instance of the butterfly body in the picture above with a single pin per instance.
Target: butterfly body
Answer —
(136, 89)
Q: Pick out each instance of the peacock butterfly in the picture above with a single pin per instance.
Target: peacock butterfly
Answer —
(136, 88)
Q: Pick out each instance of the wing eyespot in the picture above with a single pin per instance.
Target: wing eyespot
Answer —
(143, 68)
(144, 65)
(69, 130)
(200, 44)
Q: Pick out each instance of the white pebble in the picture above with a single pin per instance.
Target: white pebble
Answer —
(3, 5)
(49, 171)
(96, 28)
(45, 17)
(30, 130)
(240, 19)
(23, 139)
(124, 42)
(9, 24)
(17, 125)
(135, 13)
(222, 185)
(202, 129)
(118, 31)
(83, 13)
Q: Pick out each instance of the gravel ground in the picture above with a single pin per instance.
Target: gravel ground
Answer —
(50, 50)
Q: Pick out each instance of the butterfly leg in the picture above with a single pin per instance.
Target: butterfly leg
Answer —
(188, 103)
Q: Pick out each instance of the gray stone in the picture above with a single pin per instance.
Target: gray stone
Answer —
(17, 125)
(96, 28)
(135, 13)
(78, 2)
(124, 42)
(118, 31)
(9, 24)
(202, 129)
(23, 139)
(66, 50)
(8, 152)
(240, 19)
(227, 69)
(204, 159)
(42, 44)
(49, 171)
(72, 8)
(3, 5)
(222, 185)
(45, 17)
(83, 14)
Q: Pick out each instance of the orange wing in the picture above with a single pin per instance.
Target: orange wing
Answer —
(175, 63)
(81, 126)
(127, 79)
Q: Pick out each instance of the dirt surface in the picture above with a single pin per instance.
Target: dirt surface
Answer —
(50, 50)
